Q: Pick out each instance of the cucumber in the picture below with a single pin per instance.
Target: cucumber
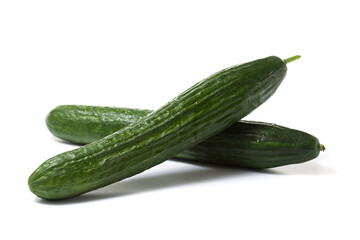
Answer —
(200, 112)
(244, 144)
(86, 124)
(255, 145)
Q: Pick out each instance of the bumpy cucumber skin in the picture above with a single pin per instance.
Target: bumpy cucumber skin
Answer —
(255, 145)
(200, 112)
(246, 144)
(86, 124)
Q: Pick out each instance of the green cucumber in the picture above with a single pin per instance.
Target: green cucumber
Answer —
(255, 145)
(86, 124)
(244, 144)
(200, 112)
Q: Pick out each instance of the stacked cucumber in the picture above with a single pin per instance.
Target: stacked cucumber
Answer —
(200, 125)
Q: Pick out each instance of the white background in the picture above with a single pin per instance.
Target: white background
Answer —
(144, 53)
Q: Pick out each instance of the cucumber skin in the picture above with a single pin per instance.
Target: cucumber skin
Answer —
(86, 124)
(246, 144)
(255, 145)
(200, 112)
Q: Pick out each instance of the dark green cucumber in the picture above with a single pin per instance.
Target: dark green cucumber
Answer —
(255, 145)
(244, 144)
(86, 124)
(200, 112)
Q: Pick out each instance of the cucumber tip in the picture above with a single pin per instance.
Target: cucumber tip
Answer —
(322, 147)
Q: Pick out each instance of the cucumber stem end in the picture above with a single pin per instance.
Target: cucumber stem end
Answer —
(290, 59)
(322, 147)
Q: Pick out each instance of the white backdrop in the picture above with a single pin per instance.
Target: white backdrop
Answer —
(142, 54)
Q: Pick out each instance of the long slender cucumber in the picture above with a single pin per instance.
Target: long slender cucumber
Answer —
(197, 114)
(244, 144)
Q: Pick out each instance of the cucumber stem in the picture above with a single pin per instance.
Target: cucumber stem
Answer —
(322, 147)
(290, 59)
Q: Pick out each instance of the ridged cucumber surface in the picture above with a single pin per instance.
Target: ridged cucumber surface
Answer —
(255, 145)
(244, 144)
(86, 124)
(197, 114)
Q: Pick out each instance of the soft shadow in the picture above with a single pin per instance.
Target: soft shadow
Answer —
(66, 142)
(202, 173)
(224, 166)
(141, 184)
(309, 168)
